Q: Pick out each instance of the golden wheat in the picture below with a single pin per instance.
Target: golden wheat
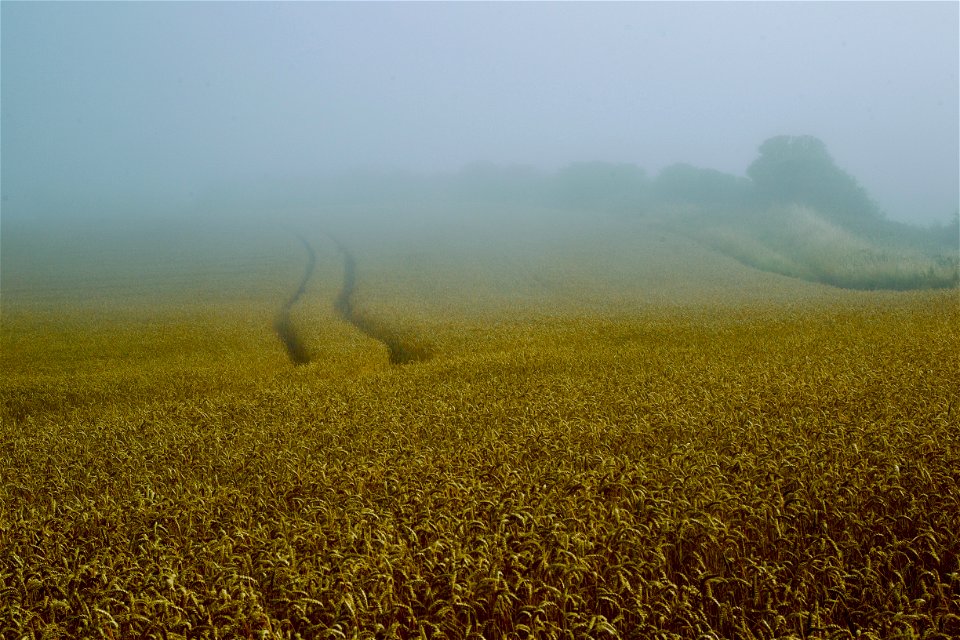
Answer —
(779, 464)
(789, 475)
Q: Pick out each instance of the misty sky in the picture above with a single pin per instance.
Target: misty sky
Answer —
(159, 100)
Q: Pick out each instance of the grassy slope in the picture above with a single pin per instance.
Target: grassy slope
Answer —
(800, 242)
(619, 430)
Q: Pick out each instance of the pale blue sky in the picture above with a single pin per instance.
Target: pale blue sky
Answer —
(157, 100)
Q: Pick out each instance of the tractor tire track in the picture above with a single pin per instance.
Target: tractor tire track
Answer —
(283, 324)
(402, 349)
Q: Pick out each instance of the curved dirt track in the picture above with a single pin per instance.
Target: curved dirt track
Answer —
(283, 325)
(401, 349)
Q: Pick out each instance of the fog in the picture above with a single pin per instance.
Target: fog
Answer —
(163, 107)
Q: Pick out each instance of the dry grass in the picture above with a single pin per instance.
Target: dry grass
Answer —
(800, 242)
(770, 462)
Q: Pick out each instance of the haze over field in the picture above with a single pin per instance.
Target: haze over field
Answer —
(479, 320)
(164, 108)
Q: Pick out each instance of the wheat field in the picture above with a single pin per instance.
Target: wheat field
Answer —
(610, 431)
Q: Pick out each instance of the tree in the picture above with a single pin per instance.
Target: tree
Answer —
(489, 182)
(601, 185)
(683, 183)
(799, 169)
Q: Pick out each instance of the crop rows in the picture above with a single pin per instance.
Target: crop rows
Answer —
(771, 473)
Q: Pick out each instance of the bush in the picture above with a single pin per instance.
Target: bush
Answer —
(799, 169)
